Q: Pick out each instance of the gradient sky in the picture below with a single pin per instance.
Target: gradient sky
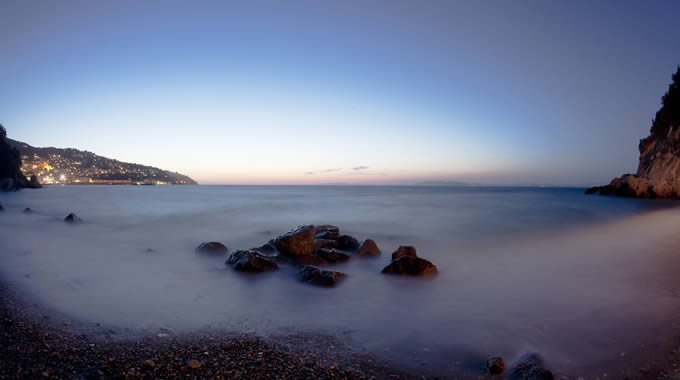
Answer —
(491, 92)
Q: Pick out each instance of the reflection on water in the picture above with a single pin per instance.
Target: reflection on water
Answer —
(581, 279)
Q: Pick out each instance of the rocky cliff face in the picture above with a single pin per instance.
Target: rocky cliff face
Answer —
(658, 173)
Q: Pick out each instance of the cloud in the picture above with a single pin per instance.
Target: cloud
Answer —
(323, 171)
(359, 168)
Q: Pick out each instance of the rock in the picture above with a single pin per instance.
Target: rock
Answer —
(369, 248)
(347, 243)
(91, 373)
(310, 260)
(593, 190)
(333, 255)
(530, 367)
(33, 183)
(2, 208)
(72, 218)
(404, 250)
(411, 266)
(251, 261)
(266, 249)
(327, 228)
(299, 242)
(195, 364)
(149, 250)
(212, 247)
(496, 366)
(326, 243)
(317, 276)
(163, 336)
(149, 363)
(327, 235)
(27, 210)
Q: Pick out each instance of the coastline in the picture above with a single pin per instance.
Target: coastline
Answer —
(36, 343)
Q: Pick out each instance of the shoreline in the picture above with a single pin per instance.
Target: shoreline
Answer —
(35, 343)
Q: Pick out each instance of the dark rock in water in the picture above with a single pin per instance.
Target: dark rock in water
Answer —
(347, 243)
(369, 248)
(91, 373)
(27, 210)
(72, 218)
(266, 249)
(149, 250)
(327, 235)
(496, 366)
(299, 242)
(2, 208)
(326, 243)
(333, 255)
(411, 266)
(530, 367)
(593, 190)
(404, 250)
(212, 247)
(317, 276)
(33, 183)
(251, 261)
(327, 228)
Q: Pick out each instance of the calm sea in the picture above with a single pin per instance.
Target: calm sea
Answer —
(584, 280)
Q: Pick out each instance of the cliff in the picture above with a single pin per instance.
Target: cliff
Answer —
(658, 173)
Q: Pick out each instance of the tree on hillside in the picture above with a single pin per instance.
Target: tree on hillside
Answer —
(669, 114)
(10, 159)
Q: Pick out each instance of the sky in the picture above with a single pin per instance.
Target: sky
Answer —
(369, 92)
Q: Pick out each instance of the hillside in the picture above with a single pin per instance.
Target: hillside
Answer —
(73, 166)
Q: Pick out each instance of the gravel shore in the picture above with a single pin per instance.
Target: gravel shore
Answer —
(34, 345)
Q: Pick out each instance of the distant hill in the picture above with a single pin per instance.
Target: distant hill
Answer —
(73, 166)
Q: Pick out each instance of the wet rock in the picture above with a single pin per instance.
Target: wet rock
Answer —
(404, 250)
(195, 364)
(530, 367)
(266, 249)
(410, 266)
(27, 210)
(369, 248)
(251, 261)
(149, 363)
(347, 243)
(326, 243)
(72, 218)
(327, 235)
(299, 242)
(212, 247)
(333, 255)
(149, 250)
(496, 366)
(91, 373)
(317, 276)
(2, 208)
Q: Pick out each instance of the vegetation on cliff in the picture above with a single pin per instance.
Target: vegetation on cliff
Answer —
(11, 177)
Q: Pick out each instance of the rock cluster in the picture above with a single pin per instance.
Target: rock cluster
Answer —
(312, 247)
(530, 367)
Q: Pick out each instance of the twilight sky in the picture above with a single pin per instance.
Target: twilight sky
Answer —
(491, 92)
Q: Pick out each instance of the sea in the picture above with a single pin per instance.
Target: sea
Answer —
(589, 282)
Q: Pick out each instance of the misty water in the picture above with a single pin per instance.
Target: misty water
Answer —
(584, 280)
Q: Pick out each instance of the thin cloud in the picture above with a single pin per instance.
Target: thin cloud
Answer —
(356, 168)
(323, 171)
